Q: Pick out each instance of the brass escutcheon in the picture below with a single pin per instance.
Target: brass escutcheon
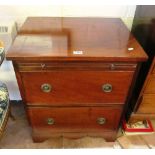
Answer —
(50, 121)
(46, 87)
(107, 87)
(101, 120)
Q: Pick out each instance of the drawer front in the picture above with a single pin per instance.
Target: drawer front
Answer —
(49, 66)
(75, 119)
(150, 86)
(147, 104)
(76, 87)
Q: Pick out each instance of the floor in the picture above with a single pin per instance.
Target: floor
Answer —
(18, 136)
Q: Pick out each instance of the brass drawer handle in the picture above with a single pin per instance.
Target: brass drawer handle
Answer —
(50, 121)
(107, 88)
(46, 87)
(43, 65)
(101, 120)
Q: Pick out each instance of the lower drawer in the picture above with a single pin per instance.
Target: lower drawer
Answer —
(75, 119)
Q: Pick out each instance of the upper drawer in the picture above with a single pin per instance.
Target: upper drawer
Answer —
(50, 66)
(76, 87)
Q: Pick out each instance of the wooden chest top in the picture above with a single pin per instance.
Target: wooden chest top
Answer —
(75, 39)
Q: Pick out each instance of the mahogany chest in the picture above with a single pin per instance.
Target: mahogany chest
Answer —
(75, 74)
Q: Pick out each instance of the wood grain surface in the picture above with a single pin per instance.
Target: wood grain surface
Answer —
(76, 57)
(99, 39)
(76, 87)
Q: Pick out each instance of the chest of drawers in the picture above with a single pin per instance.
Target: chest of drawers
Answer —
(75, 74)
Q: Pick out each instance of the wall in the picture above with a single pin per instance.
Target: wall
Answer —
(19, 14)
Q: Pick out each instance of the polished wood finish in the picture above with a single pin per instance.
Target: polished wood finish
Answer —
(87, 91)
(75, 119)
(82, 123)
(145, 104)
(62, 66)
(100, 39)
(100, 66)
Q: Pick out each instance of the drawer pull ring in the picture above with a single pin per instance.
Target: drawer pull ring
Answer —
(50, 121)
(107, 88)
(101, 120)
(43, 65)
(46, 87)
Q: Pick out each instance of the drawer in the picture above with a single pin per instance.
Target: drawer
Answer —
(150, 86)
(49, 66)
(76, 87)
(75, 119)
(147, 104)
